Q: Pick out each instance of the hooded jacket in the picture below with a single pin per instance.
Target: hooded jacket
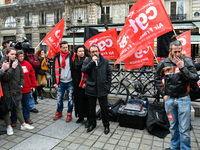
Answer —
(175, 82)
(98, 80)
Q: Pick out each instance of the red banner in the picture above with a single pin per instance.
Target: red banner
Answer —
(185, 39)
(143, 57)
(106, 43)
(146, 20)
(53, 38)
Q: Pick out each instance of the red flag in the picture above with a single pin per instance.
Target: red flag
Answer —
(185, 39)
(105, 42)
(146, 20)
(140, 58)
(54, 37)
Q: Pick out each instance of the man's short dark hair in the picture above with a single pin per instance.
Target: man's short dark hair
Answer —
(19, 52)
(175, 43)
(94, 46)
(4, 42)
(63, 42)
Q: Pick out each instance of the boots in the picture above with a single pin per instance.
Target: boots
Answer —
(57, 115)
(39, 92)
(69, 117)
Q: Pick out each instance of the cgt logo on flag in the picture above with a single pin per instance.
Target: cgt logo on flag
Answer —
(146, 20)
(140, 58)
(105, 42)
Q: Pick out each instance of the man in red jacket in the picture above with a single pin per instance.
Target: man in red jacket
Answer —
(29, 83)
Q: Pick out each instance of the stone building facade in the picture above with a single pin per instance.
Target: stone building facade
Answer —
(29, 18)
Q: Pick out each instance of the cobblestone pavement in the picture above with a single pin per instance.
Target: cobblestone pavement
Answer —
(59, 135)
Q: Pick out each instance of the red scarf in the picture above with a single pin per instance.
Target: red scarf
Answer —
(63, 58)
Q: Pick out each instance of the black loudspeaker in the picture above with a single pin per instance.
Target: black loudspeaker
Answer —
(163, 42)
(89, 32)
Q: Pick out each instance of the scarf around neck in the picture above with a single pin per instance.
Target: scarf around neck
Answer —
(63, 55)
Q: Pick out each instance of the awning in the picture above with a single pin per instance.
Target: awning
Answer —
(188, 26)
(197, 24)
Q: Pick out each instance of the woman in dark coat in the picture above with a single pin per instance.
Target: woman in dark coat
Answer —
(80, 99)
(12, 83)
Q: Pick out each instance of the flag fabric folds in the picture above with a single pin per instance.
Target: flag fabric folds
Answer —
(146, 20)
(54, 37)
(185, 39)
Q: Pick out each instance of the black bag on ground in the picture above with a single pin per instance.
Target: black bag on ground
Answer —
(157, 122)
(7, 104)
(3, 107)
(112, 111)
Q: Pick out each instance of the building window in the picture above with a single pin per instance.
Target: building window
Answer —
(107, 12)
(10, 22)
(29, 37)
(102, 18)
(177, 10)
(7, 1)
(44, 47)
(79, 13)
(28, 19)
(43, 18)
(57, 16)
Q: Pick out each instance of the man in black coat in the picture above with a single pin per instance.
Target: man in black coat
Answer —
(98, 84)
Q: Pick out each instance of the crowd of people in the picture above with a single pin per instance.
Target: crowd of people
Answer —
(85, 78)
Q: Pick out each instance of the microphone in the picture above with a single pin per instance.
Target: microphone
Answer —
(96, 62)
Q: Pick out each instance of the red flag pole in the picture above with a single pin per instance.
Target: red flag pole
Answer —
(175, 34)
(38, 45)
(154, 54)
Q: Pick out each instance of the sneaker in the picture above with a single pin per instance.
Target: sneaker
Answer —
(27, 127)
(13, 124)
(29, 121)
(69, 117)
(34, 110)
(9, 130)
(57, 115)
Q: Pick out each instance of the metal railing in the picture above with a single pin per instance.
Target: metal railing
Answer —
(177, 16)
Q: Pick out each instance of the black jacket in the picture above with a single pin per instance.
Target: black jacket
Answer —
(12, 81)
(176, 84)
(98, 80)
(53, 69)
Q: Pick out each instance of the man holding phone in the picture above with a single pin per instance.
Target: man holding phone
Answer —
(178, 72)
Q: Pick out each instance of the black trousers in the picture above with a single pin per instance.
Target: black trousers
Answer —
(104, 110)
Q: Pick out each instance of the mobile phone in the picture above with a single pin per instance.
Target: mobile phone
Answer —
(7, 58)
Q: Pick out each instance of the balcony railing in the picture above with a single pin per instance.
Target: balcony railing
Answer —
(177, 16)
(102, 20)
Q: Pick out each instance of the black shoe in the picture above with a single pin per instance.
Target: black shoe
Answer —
(79, 120)
(90, 128)
(36, 102)
(2, 132)
(168, 148)
(87, 124)
(40, 97)
(106, 130)
(34, 110)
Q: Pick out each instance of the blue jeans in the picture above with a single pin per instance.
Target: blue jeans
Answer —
(60, 93)
(178, 111)
(24, 106)
(31, 102)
